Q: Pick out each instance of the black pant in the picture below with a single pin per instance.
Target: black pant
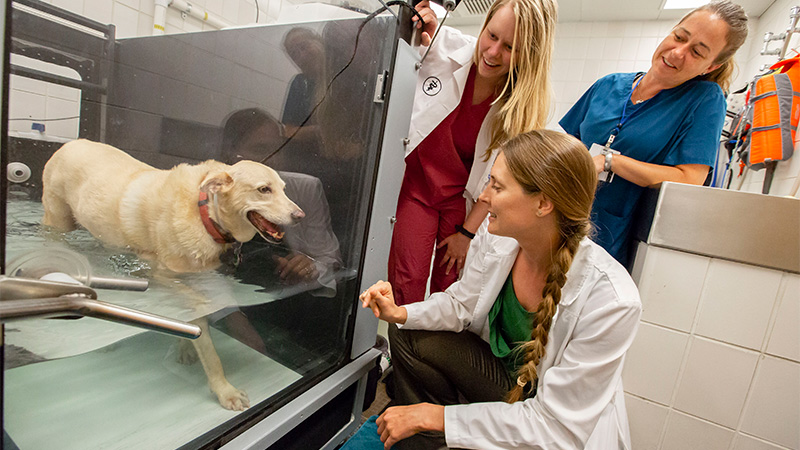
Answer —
(443, 368)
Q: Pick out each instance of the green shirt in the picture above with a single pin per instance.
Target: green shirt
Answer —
(509, 325)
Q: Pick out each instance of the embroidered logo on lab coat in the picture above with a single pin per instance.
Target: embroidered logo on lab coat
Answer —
(431, 86)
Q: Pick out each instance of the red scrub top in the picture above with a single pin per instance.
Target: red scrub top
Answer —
(438, 169)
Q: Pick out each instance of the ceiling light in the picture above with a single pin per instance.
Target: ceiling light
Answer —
(683, 4)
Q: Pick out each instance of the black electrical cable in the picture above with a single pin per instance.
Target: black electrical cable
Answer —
(350, 61)
(257, 11)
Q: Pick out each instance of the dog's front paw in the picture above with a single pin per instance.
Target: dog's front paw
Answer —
(233, 399)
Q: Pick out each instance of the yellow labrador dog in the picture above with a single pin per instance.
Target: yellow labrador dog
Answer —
(183, 218)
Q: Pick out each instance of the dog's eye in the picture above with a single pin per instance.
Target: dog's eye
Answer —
(265, 189)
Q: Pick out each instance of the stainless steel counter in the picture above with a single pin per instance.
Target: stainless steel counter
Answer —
(751, 228)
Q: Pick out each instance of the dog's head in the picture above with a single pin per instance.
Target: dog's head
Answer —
(251, 199)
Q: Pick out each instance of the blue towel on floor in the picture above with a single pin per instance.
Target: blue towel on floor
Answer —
(366, 438)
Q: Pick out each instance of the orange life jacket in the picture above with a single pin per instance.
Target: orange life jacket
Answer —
(775, 101)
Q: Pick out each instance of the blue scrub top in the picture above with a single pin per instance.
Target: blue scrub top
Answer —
(681, 125)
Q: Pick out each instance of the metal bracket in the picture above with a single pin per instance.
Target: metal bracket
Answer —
(380, 87)
(785, 36)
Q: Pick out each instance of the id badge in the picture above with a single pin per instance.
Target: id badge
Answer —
(598, 149)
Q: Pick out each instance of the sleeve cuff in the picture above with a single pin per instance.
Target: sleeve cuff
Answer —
(411, 317)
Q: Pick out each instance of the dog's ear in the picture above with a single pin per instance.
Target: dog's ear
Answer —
(216, 182)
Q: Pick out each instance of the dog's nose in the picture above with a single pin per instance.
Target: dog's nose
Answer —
(298, 214)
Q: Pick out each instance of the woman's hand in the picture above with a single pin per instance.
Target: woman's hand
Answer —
(599, 162)
(401, 422)
(457, 247)
(295, 268)
(380, 299)
(429, 17)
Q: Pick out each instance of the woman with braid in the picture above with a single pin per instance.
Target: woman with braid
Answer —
(526, 350)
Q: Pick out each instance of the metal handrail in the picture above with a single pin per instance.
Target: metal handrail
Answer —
(76, 307)
(25, 298)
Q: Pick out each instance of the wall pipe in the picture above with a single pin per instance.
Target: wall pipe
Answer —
(186, 8)
(160, 17)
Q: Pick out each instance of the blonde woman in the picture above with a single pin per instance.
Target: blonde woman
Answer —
(541, 318)
(665, 123)
(471, 96)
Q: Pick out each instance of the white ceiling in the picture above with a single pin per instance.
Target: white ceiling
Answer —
(606, 10)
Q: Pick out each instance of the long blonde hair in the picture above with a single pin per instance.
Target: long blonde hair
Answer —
(736, 19)
(525, 98)
(558, 166)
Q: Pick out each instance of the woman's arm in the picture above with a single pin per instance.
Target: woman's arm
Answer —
(457, 243)
(451, 310)
(647, 174)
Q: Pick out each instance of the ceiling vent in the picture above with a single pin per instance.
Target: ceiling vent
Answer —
(473, 7)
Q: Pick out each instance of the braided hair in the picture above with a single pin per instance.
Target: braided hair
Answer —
(558, 166)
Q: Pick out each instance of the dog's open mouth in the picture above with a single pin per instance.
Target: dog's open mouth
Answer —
(267, 229)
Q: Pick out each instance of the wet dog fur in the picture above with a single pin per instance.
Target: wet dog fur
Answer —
(127, 203)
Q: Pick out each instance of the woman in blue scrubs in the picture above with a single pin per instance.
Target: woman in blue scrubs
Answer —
(662, 125)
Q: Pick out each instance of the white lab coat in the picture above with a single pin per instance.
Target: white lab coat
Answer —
(447, 67)
(579, 403)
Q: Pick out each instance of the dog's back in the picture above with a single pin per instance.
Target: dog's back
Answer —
(126, 203)
(85, 177)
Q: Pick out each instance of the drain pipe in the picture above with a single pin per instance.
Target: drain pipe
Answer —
(186, 9)
(160, 17)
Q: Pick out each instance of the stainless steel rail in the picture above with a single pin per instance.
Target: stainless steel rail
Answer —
(23, 299)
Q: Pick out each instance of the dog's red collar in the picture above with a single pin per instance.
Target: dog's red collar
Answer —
(220, 236)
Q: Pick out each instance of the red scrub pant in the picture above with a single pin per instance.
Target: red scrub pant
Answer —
(418, 228)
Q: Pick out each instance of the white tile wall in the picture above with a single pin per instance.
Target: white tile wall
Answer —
(715, 382)
(736, 382)
(785, 338)
(126, 20)
(664, 302)
(99, 10)
(647, 421)
(653, 362)
(685, 432)
(745, 442)
(587, 51)
(737, 303)
(57, 107)
(33, 99)
(773, 411)
(24, 105)
(62, 92)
